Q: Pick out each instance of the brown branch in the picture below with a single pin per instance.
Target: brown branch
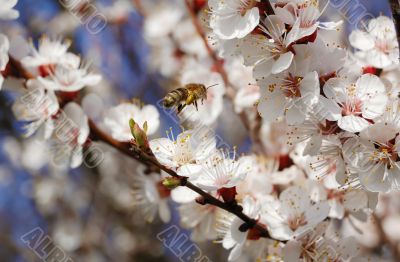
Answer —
(230, 91)
(131, 150)
(395, 6)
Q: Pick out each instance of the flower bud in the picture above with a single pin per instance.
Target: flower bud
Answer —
(171, 182)
(139, 134)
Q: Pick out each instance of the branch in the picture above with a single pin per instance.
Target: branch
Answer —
(133, 151)
(395, 6)
(230, 91)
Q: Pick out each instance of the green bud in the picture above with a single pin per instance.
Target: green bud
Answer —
(171, 182)
(139, 134)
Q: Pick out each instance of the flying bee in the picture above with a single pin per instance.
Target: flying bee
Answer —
(187, 95)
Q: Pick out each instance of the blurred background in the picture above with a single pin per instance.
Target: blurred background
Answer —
(88, 212)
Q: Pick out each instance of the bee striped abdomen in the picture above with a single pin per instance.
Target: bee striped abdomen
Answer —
(175, 97)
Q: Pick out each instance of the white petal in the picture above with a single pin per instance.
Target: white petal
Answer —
(284, 61)
(330, 110)
(313, 145)
(317, 213)
(183, 195)
(353, 123)
(295, 115)
(235, 253)
(163, 149)
(192, 171)
(355, 200)
(374, 179)
(292, 251)
(163, 210)
(361, 40)
(296, 199)
(272, 106)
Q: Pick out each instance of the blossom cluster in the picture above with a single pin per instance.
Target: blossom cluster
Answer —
(338, 107)
(323, 119)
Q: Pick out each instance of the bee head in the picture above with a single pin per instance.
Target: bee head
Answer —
(168, 102)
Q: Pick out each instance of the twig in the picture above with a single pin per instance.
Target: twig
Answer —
(132, 151)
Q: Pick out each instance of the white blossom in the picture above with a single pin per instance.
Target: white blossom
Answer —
(352, 105)
(378, 45)
(36, 106)
(375, 157)
(293, 214)
(233, 18)
(69, 79)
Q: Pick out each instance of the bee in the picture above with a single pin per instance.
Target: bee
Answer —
(187, 95)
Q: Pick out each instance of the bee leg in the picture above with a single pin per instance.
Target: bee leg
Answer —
(202, 101)
(181, 107)
(195, 104)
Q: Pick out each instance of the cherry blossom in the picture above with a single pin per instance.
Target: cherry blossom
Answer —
(293, 214)
(223, 171)
(185, 152)
(69, 79)
(49, 54)
(353, 105)
(375, 157)
(268, 51)
(36, 106)
(290, 94)
(377, 45)
(233, 18)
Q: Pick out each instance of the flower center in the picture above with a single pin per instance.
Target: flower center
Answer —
(386, 154)
(329, 128)
(352, 108)
(382, 46)
(291, 86)
(296, 222)
(46, 70)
